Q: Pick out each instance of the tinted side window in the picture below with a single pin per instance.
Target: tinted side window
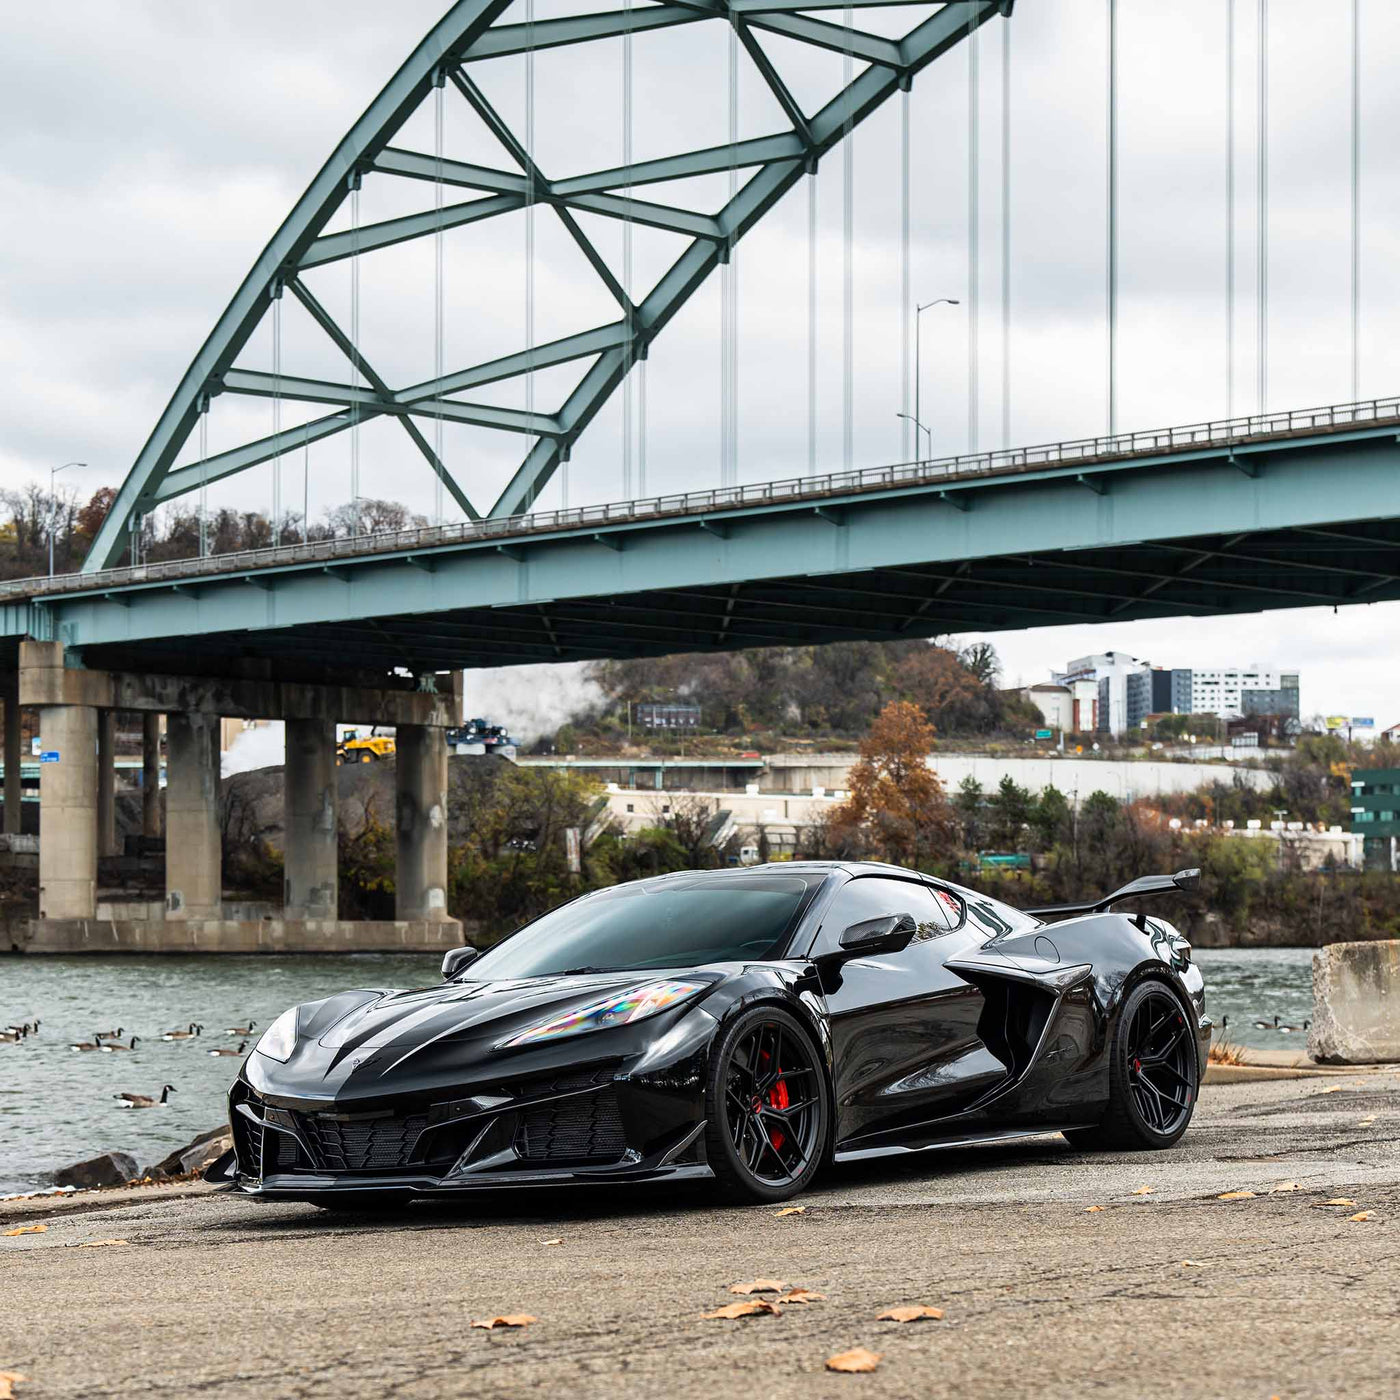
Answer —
(874, 897)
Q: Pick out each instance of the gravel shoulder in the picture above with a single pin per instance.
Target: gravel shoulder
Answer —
(1172, 1291)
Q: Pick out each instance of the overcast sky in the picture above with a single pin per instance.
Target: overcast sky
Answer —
(148, 150)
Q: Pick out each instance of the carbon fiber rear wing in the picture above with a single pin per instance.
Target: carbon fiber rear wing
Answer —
(1182, 881)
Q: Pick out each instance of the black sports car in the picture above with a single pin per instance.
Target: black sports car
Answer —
(747, 1025)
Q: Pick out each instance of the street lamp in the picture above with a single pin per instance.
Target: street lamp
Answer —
(918, 315)
(918, 428)
(53, 472)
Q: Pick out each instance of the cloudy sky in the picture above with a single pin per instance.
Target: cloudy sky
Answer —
(149, 149)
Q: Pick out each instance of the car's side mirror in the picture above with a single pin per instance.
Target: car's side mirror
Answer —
(890, 933)
(455, 959)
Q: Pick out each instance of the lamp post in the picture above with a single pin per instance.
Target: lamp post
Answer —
(918, 320)
(53, 472)
(918, 428)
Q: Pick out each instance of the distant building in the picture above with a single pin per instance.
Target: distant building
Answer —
(1069, 708)
(653, 716)
(1375, 814)
(1222, 692)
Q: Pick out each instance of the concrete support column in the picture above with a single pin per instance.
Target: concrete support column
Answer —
(312, 807)
(150, 775)
(14, 779)
(106, 782)
(193, 847)
(68, 813)
(421, 817)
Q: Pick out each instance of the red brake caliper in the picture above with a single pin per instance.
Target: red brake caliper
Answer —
(778, 1098)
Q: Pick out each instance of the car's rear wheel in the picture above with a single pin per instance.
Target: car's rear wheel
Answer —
(768, 1107)
(1153, 1075)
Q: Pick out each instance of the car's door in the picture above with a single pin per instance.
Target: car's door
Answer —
(904, 1028)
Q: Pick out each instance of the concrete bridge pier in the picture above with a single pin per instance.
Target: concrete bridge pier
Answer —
(150, 775)
(68, 813)
(310, 821)
(106, 782)
(420, 808)
(193, 846)
(14, 779)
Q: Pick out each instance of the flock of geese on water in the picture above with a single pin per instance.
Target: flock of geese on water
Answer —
(1274, 1025)
(110, 1042)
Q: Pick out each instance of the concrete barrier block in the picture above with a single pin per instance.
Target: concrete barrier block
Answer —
(1356, 1003)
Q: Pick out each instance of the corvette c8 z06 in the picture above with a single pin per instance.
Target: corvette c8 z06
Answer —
(747, 1025)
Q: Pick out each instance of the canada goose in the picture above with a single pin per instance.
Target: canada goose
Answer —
(242, 1046)
(240, 1030)
(112, 1035)
(117, 1045)
(193, 1031)
(93, 1044)
(144, 1100)
(1265, 1025)
(1293, 1030)
(28, 1028)
(11, 1037)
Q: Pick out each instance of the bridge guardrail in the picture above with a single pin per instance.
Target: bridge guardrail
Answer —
(971, 466)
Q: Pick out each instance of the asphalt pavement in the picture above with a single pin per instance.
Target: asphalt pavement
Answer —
(1059, 1274)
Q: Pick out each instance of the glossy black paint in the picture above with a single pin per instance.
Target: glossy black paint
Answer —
(986, 1023)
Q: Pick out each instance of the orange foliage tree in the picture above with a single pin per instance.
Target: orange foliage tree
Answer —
(897, 809)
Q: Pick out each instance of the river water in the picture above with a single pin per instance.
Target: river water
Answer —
(57, 1105)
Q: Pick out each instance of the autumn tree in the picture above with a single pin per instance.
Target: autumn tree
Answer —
(897, 808)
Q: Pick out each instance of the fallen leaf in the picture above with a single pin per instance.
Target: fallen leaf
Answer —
(911, 1312)
(759, 1285)
(1332, 1089)
(1143, 1191)
(1191, 1264)
(755, 1307)
(1283, 1186)
(855, 1360)
(1362, 1215)
(554, 1241)
(791, 1210)
(1089, 1210)
(1236, 1196)
(507, 1320)
(1365, 1122)
(9, 1379)
(97, 1244)
(1335, 1201)
(28, 1230)
(801, 1295)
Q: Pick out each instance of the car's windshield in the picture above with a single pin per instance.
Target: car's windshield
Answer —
(677, 921)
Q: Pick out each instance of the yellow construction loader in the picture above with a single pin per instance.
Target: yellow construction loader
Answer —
(355, 747)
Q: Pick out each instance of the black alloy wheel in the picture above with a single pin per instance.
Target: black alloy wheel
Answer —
(767, 1101)
(1153, 1075)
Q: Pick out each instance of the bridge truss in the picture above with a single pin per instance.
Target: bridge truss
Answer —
(471, 32)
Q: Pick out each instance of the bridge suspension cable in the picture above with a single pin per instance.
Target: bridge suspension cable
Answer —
(848, 206)
(1112, 205)
(904, 289)
(812, 322)
(627, 228)
(1355, 200)
(974, 239)
(1262, 271)
(1005, 236)
(1230, 208)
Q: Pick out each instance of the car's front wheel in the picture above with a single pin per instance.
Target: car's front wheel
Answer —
(768, 1107)
(1153, 1075)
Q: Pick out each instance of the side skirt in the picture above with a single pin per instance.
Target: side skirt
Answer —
(866, 1154)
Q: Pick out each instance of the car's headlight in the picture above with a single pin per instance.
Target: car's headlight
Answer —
(620, 1009)
(280, 1038)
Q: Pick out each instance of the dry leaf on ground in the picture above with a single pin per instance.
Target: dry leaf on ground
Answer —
(8, 1381)
(1366, 1122)
(1284, 1186)
(1335, 1201)
(1362, 1215)
(1089, 1210)
(1332, 1089)
(97, 1244)
(856, 1360)
(27, 1230)
(506, 1320)
(1143, 1191)
(554, 1241)
(758, 1285)
(755, 1307)
(1191, 1264)
(1236, 1196)
(791, 1210)
(911, 1312)
(801, 1295)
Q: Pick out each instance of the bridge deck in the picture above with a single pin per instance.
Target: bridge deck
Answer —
(1235, 516)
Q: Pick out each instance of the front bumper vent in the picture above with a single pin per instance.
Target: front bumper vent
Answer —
(362, 1144)
(581, 1128)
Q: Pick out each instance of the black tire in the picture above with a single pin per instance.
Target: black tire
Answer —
(364, 1202)
(1154, 1075)
(766, 1094)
